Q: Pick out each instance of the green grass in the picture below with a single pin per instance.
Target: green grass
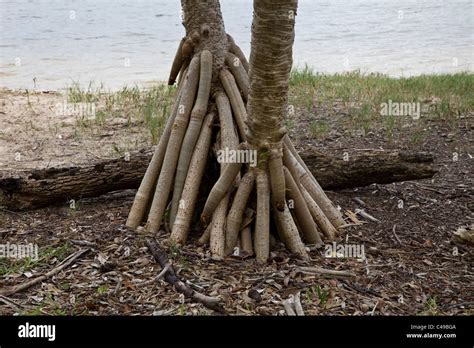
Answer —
(48, 306)
(150, 106)
(66, 286)
(359, 98)
(359, 95)
(102, 289)
(317, 294)
(318, 128)
(431, 305)
(15, 266)
(444, 96)
(10, 266)
(76, 94)
(45, 256)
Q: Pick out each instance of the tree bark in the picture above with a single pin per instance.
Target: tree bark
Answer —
(205, 26)
(39, 188)
(271, 60)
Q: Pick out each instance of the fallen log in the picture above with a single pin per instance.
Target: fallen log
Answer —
(368, 167)
(39, 188)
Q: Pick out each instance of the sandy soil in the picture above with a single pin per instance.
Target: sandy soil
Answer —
(33, 134)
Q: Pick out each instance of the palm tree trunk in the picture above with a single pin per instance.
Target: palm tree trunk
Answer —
(271, 60)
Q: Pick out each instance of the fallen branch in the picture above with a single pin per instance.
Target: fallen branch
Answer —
(65, 263)
(363, 213)
(12, 304)
(84, 243)
(158, 277)
(325, 273)
(39, 188)
(170, 276)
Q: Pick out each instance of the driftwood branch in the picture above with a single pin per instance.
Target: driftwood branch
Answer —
(170, 276)
(366, 167)
(156, 278)
(43, 187)
(10, 303)
(65, 263)
(325, 273)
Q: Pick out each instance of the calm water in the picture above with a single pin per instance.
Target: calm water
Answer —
(120, 42)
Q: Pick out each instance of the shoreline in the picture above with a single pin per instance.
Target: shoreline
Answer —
(143, 85)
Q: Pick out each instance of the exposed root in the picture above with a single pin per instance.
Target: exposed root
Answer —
(177, 63)
(238, 52)
(142, 197)
(192, 132)
(238, 106)
(229, 137)
(277, 178)
(301, 211)
(217, 237)
(183, 72)
(206, 236)
(318, 215)
(187, 49)
(165, 180)
(313, 188)
(239, 73)
(234, 216)
(288, 144)
(230, 172)
(246, 240)
(180, 286)
(220, 189)
(234, 219)
(298, 306)
(262, 223)
(188, 200)
(288, 232)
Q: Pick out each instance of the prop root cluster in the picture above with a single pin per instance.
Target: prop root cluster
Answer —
(248, 196)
